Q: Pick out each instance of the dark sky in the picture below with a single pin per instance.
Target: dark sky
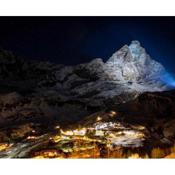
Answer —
(72, 40)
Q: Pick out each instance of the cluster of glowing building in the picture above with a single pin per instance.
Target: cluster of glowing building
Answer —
(92, 141)
(101, 139)
(4, 146)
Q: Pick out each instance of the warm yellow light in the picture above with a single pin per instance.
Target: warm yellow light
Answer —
(50, 138)
(134, 156)
(81, 132)
(99, 133)
(31, 137)
(98, 118)
(138, 127)
(57, 127)
(38, 157)
(112, 113)
(68, 133)
(4, 146)
(112, 135)
(56, 138)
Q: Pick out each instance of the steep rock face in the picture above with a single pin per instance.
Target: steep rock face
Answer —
(132, 63)
(46, 90)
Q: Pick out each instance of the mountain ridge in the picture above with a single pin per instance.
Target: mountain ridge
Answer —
(52, 91)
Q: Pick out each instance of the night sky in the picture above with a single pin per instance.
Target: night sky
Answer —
(72, 40)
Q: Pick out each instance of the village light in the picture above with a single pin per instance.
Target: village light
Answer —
(112, 113)
(57, 127)
(4, 146)
(99, 133)
(31, 137)
(67, 133)
(134, 156)
(80, 132)
(98, 119)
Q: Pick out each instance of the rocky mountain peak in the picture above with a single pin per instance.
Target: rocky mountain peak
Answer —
(137, 51)
(35, 89)
(123, 54)
(132, 53)
(133, 63)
